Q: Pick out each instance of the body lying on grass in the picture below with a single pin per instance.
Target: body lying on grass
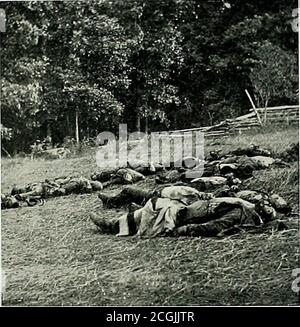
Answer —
(241, 166)
(10, 201)
(117, 176)
(137, 195)
(288, 155)
(135, 171)
(22, 196)
(185, 211)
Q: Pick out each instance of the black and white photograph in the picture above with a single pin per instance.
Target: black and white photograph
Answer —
(149, 155)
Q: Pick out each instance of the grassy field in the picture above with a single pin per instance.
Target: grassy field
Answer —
(53, 254)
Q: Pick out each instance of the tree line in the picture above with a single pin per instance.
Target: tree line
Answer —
(82, 67)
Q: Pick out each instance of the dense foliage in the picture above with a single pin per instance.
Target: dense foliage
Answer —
(155, 64)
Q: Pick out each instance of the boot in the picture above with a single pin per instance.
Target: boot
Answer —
(104, 198)
(102, 223)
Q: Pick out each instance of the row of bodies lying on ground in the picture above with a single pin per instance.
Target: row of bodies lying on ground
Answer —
(222, 176)
(221, 168)
(213, 205)
(192, 212)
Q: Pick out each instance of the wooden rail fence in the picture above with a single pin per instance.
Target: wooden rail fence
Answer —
(275, 115)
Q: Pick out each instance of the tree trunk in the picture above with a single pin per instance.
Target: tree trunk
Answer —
(68, 125)
(48, 129)
(138, 122)
(211, 118)
(146, 125)
(175, 121)
(76, 127)
(88, 132)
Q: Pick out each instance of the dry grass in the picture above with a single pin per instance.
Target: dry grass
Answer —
(53, 255)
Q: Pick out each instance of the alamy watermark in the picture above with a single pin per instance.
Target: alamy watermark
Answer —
(166, 148)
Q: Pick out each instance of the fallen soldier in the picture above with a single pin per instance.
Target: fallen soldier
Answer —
(139, 170)
(127, 176)
(104, 175)
(231, 188)
(277, 202)
(78, 185)
(251, 151)
(146, 169)
(241, 166)
(10, 202)
(256, 197)
(220, 215)
(172, 176)
(117, 176)
(128, 195)
(59, 187)
(212, 183)
(132, 194)
(40, 190)
(172, 217)
(180, 175)
(185, 163)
